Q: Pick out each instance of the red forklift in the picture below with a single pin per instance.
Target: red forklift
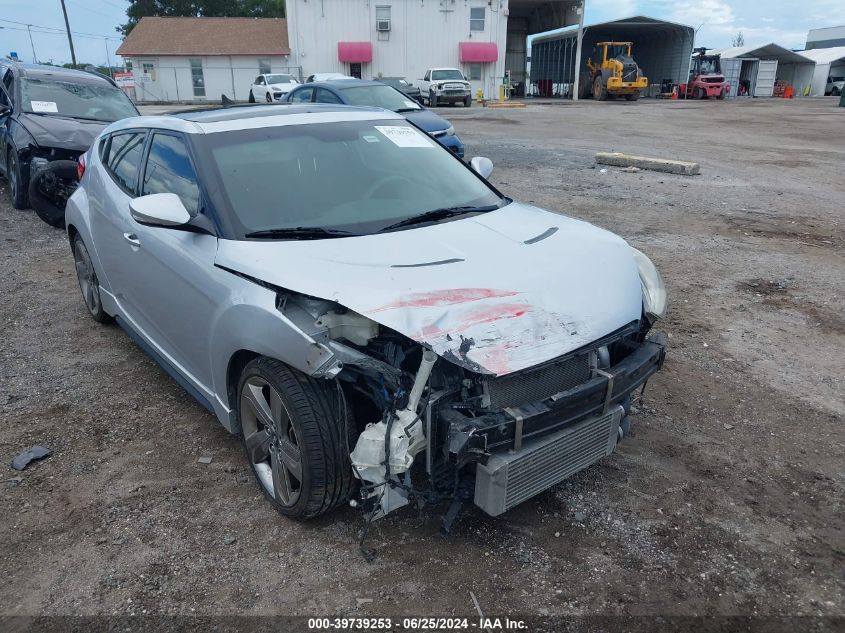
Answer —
(705, 77)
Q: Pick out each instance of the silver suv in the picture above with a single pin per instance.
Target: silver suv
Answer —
(371, 337)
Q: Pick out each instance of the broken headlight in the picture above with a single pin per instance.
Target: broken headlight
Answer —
(654, 291)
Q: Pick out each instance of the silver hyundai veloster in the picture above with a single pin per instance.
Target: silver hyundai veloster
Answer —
(376, 321)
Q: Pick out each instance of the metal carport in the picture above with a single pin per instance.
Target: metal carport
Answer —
(761, 66)
(662, 49)
(830, 62)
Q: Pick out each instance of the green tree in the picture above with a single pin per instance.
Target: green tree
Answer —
(138, 9)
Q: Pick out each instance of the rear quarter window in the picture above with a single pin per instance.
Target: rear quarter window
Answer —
(122, 159)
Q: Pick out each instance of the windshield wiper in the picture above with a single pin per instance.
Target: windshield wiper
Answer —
(301, 233)
(400, 110)
(438, 214)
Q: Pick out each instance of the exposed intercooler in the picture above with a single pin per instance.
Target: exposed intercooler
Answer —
(508, 479)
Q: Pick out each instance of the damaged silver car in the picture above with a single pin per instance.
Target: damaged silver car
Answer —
(376, 321)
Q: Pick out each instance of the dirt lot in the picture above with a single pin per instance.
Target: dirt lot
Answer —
(726, 500)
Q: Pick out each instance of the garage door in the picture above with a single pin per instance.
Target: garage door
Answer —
(766, 73)
(731, 69)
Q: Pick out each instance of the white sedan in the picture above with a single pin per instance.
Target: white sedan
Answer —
(271, 88)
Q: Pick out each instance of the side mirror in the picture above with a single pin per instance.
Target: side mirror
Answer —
(483, 166)
(159, 209)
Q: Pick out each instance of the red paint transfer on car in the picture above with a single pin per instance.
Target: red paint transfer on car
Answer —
(447, 297)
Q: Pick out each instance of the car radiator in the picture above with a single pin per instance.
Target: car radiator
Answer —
(538, 384)
(508, 479)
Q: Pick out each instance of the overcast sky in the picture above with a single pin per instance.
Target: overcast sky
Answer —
(783, 21)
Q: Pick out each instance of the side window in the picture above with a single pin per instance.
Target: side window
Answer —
(123, 159)
(261, 81)
(326, 96)
(302, 96)
(427, 76)
(169, 170)
(8, 79)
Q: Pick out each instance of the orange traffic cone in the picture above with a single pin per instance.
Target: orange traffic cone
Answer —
(675, 93)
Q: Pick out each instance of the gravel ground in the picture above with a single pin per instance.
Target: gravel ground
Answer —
(727, 499)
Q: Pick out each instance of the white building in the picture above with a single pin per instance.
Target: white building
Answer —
(401, 38)
(826, 38)
(201, 59)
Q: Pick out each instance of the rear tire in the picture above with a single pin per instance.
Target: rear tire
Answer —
(251, 97)
(296, 432)
(599, 90)
(88, 283)
(835, 92)
(17, 186)
(633, 97)
(697, 93)
(721, 95)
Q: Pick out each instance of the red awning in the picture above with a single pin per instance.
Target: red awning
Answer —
(355, 52)
(475, 52)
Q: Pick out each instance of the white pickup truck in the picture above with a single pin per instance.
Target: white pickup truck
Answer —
(445, 85)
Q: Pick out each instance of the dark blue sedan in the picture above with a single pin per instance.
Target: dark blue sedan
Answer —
(376, 94)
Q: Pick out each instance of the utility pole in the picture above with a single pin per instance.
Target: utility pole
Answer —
(31, 43)
(108, 57)
(69, 37)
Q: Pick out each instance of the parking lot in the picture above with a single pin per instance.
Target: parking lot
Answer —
(727, 499)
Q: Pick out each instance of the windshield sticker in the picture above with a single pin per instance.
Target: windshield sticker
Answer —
(404, 136)
(44, 106)
(410, 104)
(370, 139)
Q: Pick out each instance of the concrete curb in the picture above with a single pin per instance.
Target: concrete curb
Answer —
(615, 159)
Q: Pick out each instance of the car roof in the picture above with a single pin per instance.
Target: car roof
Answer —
(345, 83)
(250, 117)
(56, 72)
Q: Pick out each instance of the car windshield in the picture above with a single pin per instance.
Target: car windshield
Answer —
(440, 75)
(355, 176)
(379, 97)
(280, 79)
(94, 101)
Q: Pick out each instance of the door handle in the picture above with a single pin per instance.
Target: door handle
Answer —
(132, 239)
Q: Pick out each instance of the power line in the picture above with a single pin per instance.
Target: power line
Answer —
(76, 5)
(49, 30)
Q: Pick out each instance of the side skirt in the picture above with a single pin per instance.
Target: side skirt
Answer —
(166, 366)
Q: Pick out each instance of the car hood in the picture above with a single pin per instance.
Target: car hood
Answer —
(426, 120)
(62, 133)
(495, 293)
(283, 87)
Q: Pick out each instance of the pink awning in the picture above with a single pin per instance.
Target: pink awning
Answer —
(355, 52)
(475, 52)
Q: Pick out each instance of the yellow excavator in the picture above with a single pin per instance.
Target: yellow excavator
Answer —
(616, 74)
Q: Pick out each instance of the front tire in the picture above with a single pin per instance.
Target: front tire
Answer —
(835, 92)
(468, 102)
(432, 99)
(17, 184)
(297, 438)
(599, 91)
(269, 98)
(88, 283)
(698, 93)
(633, 97)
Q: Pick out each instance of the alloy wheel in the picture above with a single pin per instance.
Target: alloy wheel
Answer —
(271, 441)
(88, 283)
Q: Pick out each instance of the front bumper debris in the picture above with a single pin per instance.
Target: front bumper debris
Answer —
(529, 448)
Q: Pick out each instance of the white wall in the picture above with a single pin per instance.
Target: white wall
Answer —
(229, 75)
(423, 35)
